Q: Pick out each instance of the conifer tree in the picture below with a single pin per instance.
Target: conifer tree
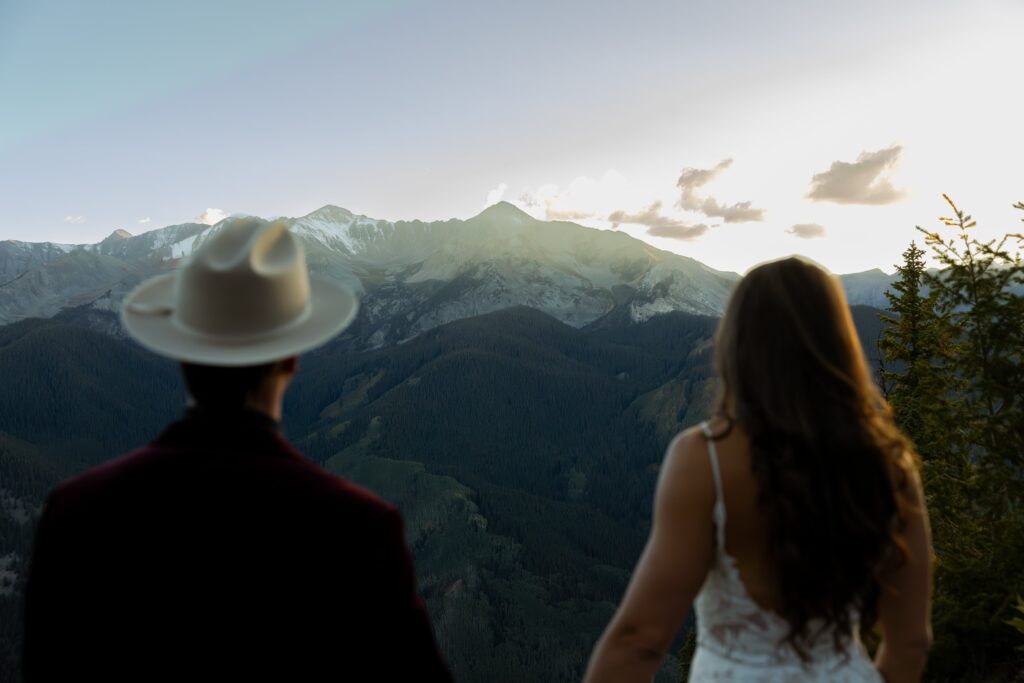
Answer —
(960, 397)
(977, 291)
(915, 343)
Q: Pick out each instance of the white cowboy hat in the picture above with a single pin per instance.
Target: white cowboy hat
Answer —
(243, 298)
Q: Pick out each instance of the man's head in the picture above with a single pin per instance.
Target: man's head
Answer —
(238, 314)
(258, 387)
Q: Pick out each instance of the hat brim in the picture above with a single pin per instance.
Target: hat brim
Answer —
(333, 307)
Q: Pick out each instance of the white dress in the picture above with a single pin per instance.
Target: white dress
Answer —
(739, 642)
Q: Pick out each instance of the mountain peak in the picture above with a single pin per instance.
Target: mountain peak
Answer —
(330, 212)
(119, 234)
(505, 211)
(873, 273)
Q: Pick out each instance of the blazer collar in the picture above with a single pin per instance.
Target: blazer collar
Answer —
(232, 430)
(240, 418)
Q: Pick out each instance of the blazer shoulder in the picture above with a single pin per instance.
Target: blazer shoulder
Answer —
(97, 480)
(332, 487)
(276, 464)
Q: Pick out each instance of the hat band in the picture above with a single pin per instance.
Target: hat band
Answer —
(242, 339)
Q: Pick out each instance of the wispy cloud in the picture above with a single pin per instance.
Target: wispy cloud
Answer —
(568, 215)
(864, 181)
(74, 219)
(143, 221)
(807, 231)
(690, 182)
(584, 197)
(496, 195)
(611, 200)
(740, 212)
(692, 179)
(681, 231)
(211, 216)
(551, 203)
(658, 224)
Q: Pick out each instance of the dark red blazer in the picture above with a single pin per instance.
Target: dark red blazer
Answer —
(218, 552)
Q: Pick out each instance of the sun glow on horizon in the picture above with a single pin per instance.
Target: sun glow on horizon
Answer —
(833, 142)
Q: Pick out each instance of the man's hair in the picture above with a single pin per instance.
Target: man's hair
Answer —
(224, 387)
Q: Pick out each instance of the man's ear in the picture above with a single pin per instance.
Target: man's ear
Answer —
(290, 365)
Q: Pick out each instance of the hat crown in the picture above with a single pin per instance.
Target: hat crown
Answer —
(248, 279)
(243, 298)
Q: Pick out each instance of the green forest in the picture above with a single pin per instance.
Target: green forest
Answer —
(523, 545)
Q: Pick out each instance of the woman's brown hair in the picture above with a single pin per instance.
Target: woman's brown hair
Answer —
(832, 468)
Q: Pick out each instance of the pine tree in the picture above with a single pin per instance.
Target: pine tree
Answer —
(915, 342)
(977, 294)
(959, 395)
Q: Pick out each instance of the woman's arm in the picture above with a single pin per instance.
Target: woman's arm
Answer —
(905, 605)
(671, 569)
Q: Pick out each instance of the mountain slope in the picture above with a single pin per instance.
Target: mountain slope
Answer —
(522, 452)
(79, 393)
(524, 532)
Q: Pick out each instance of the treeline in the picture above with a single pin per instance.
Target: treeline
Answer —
(514, 397)
(953, 371)
(64, 385)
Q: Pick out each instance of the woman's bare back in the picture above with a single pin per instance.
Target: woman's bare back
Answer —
(747, 540)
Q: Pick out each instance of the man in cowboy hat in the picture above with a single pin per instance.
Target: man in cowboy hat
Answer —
(218, 552)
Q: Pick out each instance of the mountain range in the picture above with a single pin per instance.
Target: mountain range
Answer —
(411, 276)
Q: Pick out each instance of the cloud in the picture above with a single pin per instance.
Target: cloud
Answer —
(611, 200)
(143, 221)
(861, 182)
(495, 195)
(567, 215)
(681, 231)
(740, 212)
(74, 219)
(551, 203)
(211, 216)
(584, 197)
(691, 180)
(659, 225)
(807, 231)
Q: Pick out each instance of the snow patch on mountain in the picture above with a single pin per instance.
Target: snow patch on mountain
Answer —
(326, 232)
(184, 247)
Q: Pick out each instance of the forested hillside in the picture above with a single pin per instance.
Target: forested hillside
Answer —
(522, 452)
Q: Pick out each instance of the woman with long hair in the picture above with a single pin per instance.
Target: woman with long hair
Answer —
(790, 520)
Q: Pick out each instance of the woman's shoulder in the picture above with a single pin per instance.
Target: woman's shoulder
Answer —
(687, 439)
(695, 437)
(690, 452)
(687, 463)
(685, 480)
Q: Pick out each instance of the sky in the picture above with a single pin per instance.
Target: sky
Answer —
(733, 132)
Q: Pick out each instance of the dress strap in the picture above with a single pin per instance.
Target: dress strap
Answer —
(719, 510)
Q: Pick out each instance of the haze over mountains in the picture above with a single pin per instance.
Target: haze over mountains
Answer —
(412, 276)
